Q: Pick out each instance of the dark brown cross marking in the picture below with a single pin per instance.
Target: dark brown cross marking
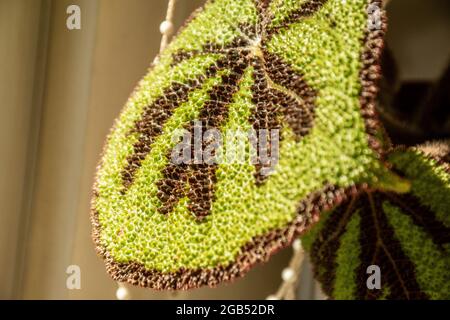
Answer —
(422, 216)
(378, 243)
(280, 94)
(380, 247)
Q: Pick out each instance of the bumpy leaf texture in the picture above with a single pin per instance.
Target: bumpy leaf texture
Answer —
(406, 235)
(306, 67)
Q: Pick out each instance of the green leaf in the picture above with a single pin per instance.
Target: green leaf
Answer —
(407, 235)
(306, 67)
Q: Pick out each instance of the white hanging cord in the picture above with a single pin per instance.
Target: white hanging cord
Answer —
(122, 292)
(290, 275)
(166, 28)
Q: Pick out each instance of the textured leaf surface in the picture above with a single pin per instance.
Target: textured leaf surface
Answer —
(406, 235)
(307, 67)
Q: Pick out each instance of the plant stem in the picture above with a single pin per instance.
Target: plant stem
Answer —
(390, 181)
